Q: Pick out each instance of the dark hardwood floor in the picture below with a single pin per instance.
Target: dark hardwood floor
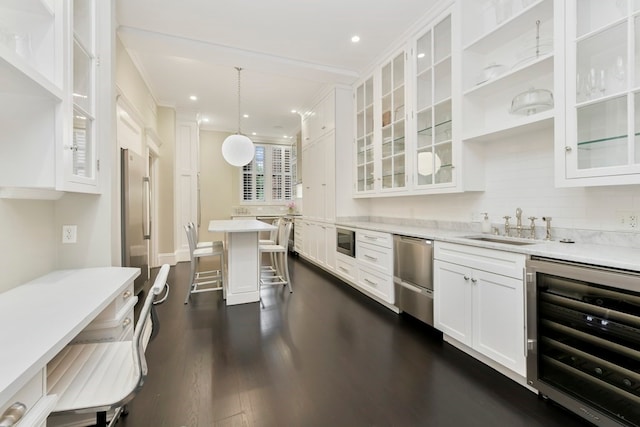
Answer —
(324, 355)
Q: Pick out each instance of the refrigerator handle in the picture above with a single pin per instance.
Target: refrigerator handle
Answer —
(198, 198)
(146, 211)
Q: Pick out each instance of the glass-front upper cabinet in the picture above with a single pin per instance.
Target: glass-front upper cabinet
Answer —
(603, 93)
(80, 160)
(433, 120)
(393, 154)
(365, 179)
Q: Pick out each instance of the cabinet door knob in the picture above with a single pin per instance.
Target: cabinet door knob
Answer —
(126, 322)
(126, 294)
(466, 277)
(474, 280)
(567, 148)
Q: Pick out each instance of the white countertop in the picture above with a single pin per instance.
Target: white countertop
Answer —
(239, 225)
(40, 317)
(609, 256)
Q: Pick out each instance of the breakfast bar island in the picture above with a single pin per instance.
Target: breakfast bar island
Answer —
(243, 258)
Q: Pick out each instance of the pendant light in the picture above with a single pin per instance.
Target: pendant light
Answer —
(238, 149)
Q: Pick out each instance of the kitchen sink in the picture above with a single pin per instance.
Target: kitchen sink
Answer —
(504, 240)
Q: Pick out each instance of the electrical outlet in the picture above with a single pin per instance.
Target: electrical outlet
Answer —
(628, 221)
(69, 233)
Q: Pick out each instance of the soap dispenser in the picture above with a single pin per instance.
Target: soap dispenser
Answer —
(486, 224)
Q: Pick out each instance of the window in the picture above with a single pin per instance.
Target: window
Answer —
(269, 177)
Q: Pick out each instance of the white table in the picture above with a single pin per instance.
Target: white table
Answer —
(243, 259)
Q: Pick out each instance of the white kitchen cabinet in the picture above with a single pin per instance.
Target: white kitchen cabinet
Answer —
(319, 120)
(374, 254)
(79, 147)
(433, 130)
(319, 243)
(319, 179)
(393, 97)
(479, 301)
(48, 55)
(364, 155)
(408, 119)
(507, 50)
(380, 148)
(600, 142)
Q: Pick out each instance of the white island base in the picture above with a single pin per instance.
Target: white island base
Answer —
(243, 258)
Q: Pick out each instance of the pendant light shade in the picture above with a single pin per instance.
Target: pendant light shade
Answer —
(238, 149)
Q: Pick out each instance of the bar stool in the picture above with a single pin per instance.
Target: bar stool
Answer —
(204, 280)
(272, 240)
(199, 244)
(280, 273)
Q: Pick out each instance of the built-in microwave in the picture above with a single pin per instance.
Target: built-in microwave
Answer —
(346, 242)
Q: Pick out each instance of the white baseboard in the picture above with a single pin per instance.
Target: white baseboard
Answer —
(168, 258)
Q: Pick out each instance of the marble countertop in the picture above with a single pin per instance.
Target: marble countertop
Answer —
(595, 254)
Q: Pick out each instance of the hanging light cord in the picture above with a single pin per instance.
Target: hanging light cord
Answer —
(239, 117)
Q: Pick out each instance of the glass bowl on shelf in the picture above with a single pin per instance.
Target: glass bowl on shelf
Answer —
(532, 101)
(490, 72)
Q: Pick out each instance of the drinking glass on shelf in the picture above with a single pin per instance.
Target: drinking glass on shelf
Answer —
(619, 71)
(602, 82)
(592, 82)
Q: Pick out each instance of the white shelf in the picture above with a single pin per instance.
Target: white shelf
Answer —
(42, 7)
(512, 27)
(20, 77)
(522, 74)
(513, 127)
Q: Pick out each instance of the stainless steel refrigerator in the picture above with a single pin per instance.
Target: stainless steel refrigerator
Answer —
(136, 194)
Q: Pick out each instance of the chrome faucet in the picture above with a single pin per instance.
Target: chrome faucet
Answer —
(547, 219)
(507, 226)
(519, 221)
(532, 235)
(519, 227)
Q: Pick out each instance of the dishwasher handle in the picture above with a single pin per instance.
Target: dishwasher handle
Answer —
(415, 240)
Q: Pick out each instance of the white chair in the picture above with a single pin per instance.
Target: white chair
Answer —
(272, 240)
(204, 280)
(99, 377)
(280, 273)
(199, 244)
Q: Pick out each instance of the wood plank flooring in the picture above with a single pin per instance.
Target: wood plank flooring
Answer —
(324, 355)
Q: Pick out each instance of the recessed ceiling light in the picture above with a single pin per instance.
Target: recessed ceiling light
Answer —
(206, 120)
(293, 111)
(355, 39)
(253, 133)
(285, 136)
(193, 98)
(246, 116)
(420, 55)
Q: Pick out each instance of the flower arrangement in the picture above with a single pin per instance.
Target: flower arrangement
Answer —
(291, 206)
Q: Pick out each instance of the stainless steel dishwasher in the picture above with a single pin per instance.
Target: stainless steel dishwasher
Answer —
(413, 276)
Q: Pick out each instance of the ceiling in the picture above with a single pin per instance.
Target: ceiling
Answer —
(289, 51)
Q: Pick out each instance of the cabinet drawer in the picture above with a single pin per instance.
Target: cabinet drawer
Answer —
(380, 285)
(346, 267)
(374, 237)
(499, 262)
(115, 329)
(29, 395)
(375, 257)
(112, 310)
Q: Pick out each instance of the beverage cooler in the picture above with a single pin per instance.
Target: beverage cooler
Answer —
(583, 331)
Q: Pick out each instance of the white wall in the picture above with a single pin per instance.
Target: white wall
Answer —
(519, 173)
(27, 240)
(218, 183)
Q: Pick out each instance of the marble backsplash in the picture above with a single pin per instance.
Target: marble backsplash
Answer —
(609, 238)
